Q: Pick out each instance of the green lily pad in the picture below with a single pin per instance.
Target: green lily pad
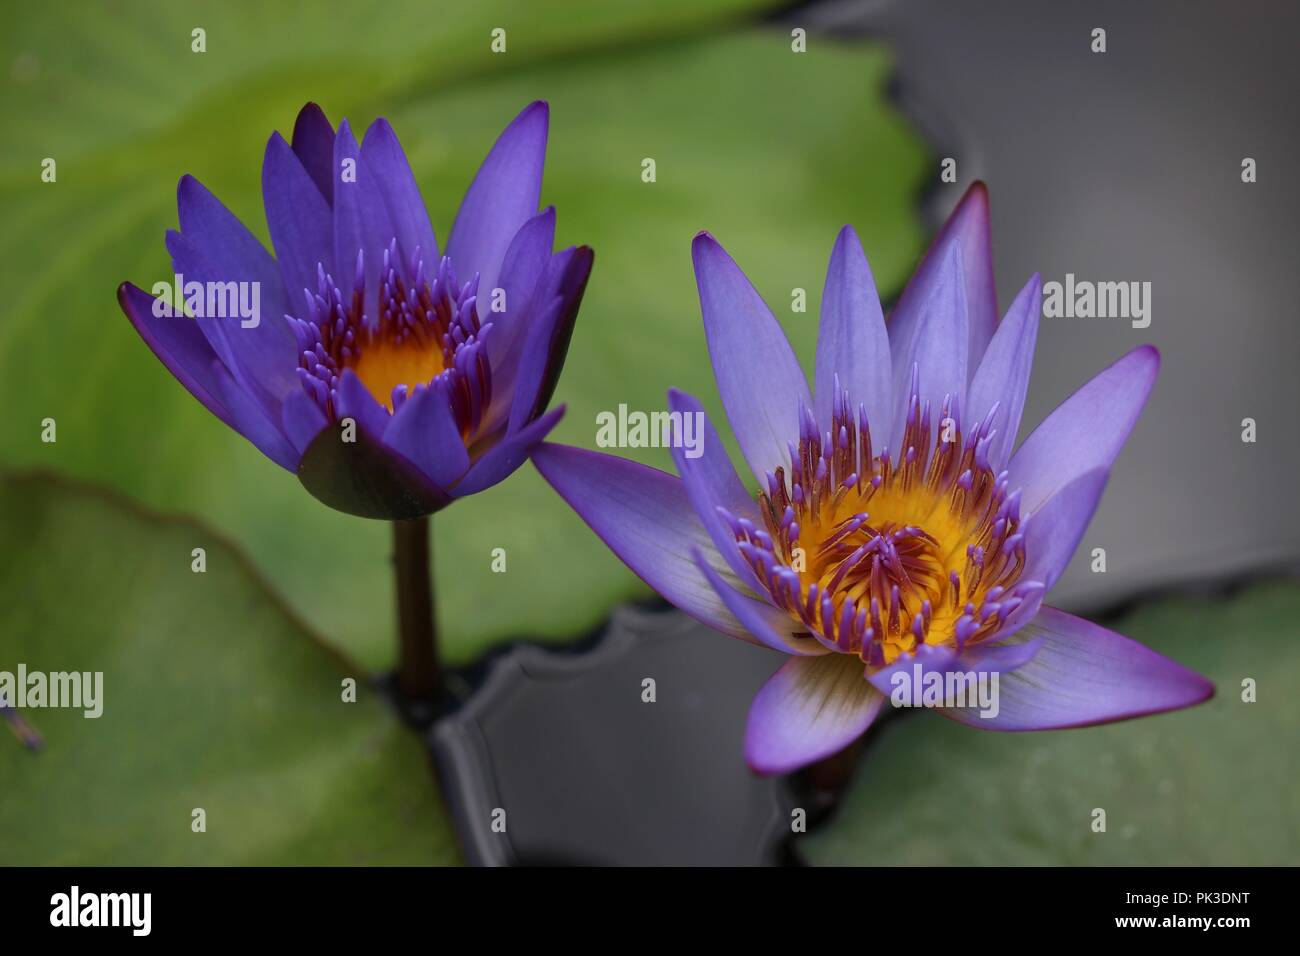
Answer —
(214, 696)
(1216, 785)
(770, 150)
(78, 81)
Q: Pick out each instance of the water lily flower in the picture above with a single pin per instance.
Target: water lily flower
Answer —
(894, 526)
(390, 377)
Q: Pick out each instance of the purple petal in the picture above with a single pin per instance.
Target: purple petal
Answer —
(1003, 374)
(214, 246)
(1083, 675)
(386, 161)
(765, 624)
(547, 341)
(361, 222)
(1053, 532)
(425, 433)
(711, 481)
(938, 352)
(299, 219)
(946, 659)
(313, 144)
(645, 517)
(302, 420)
(259, 358)
(178, 344)
(759, 379)
(522, 272)
(1003, 657)
(249, 418)
(967, 227)
(1087, 431)
(809, 709)
(353, 400)
(852, 343)
(501, 461)
(503, 196)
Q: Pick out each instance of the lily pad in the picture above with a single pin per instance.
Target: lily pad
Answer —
(1217, 785)
(770, 149)
(214, 697)
(78, 81)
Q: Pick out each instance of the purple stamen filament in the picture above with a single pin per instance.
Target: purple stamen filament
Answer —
(427, 332)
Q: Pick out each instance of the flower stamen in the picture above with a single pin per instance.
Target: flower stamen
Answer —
(878, 555)
(425, 331)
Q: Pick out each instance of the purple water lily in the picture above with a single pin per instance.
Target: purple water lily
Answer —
(895, 528)
(391, 379)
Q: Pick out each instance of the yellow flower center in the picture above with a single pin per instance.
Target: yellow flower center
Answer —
(385, 364)
(878, 556)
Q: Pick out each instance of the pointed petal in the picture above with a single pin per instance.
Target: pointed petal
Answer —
(1002, 378)
(809, 709)
(852, 343)
(645, 517)
(260, 357)
(1087, 431)
(758, 376)
(249, 418)
(178, 344)
(765, 625)
(548, 335)
(425, 433)
(299, 219)
(215, 247)
(503, 196)
(967, 227)
(225, 242)
(1053, 532)
(386, 160)
(522, 272)
(361, 222)
(505, 457)
(711, 481)
(1084, 674)
(313, 144)
(938, 351)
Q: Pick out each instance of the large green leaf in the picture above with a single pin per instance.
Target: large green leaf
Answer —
(214, 696)
(84, 78)
(1215, 785)
(771, 150)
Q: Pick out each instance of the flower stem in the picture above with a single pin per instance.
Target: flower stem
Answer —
(832, 774)
(417, 650)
